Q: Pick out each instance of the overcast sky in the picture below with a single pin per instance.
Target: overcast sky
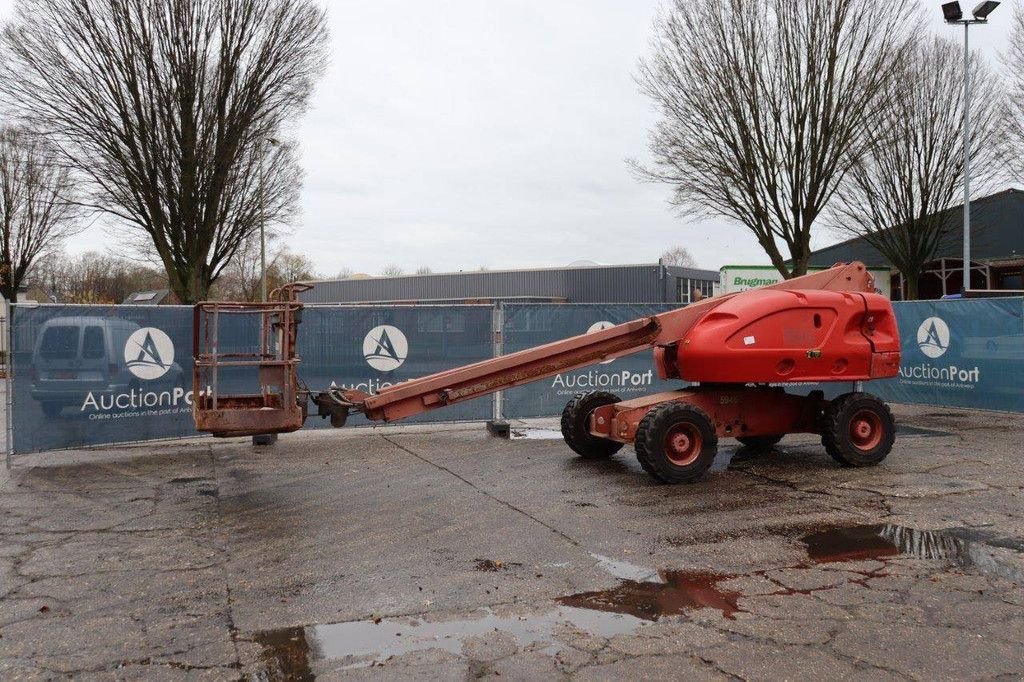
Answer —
(457, 134)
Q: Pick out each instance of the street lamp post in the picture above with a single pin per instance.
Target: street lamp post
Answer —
(265, 438)
(271, 142)
(954, 15)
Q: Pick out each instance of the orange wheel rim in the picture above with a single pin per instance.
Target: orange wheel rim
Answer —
(866, 430)
(683, 444)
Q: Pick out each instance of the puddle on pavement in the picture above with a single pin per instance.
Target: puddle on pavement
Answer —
(362, 644)
(623, 570)
(676, 593)
(641, 597)
(286, 655)
(961, 547)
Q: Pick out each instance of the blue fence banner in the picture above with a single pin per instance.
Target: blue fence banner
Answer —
(373, 347)
(959, 353)
(528, 325)
(85, 375)
(89, 375)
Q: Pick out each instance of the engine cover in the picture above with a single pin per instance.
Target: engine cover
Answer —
(775, 336)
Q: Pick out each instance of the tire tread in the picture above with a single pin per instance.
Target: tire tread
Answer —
(835, 430)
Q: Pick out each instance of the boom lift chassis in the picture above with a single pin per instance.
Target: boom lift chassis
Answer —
(740, 349)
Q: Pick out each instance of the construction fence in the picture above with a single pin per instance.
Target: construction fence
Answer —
(89, 375)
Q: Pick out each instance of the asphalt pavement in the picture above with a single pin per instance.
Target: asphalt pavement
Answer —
(440, 552)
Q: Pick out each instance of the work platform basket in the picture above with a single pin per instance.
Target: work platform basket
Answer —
(245, 366)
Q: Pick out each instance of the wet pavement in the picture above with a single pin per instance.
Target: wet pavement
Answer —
(442, 553)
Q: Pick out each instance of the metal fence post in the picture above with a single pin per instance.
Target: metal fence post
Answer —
(497, 425)
(8, 335)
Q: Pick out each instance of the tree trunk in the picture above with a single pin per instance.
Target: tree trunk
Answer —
(913, 279)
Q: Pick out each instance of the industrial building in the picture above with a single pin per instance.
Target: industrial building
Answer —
(997, 250)
(647, 283)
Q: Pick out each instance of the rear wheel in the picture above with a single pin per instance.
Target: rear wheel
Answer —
(576, 425)
(760, 443)
(858, 430)
(676, 443)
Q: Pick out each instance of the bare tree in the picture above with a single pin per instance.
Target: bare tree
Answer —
(241, 279)
(166, 106)
(1011, 148)
(679, 255)
(895, 197)
(293, 267)
(424, 270)
(765, 104)
(345, 273)
(37, 210)
(93, 277)
(392, 270)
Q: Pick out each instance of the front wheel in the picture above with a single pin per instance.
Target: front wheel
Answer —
(576, 425)
(858, 430)
(676, 443)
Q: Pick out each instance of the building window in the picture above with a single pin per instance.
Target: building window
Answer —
(437, 321)
(1012, 280)
(685, 288)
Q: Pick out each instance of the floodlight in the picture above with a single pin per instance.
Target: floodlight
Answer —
(983, 9)
(952, 12)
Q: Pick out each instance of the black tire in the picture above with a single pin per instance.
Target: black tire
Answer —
(676, 421)
(52, 410)
(576, 429)
(760, 443)
(858, 430)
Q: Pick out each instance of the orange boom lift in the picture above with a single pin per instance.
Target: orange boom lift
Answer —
(739, 349)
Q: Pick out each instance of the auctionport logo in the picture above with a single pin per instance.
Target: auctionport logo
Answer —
(933, 337)
(624, 381)
(149, 353)
(933, 340)
(385, 348)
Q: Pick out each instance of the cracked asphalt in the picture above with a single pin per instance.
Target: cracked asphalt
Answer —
(440, 552)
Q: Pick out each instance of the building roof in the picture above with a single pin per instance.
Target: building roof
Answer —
(997, 232)
(648, 282)
(156, 297)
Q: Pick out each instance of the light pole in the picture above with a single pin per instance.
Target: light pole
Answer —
(265, 438)
(954, 15)
(271, 142)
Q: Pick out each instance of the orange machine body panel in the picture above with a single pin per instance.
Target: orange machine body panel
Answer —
(776, 335)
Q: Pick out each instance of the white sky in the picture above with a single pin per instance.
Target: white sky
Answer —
(458, 134)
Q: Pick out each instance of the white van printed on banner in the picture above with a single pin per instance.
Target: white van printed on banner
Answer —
(148, 356)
